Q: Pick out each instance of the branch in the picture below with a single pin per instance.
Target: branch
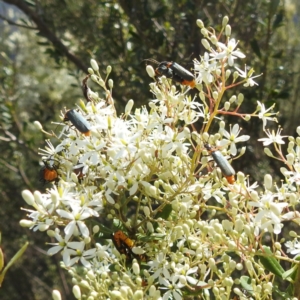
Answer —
(47, 33)
(16, 24)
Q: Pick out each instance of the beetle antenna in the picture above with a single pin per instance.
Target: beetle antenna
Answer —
(151, 60)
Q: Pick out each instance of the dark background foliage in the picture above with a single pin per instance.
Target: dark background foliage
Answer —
(45, 51)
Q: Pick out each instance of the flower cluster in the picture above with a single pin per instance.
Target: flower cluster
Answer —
(139, 208)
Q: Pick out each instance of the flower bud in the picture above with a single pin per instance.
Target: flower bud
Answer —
(26, 223)
(235, 75)
(247, 118)
(124, 290)
(74, 177)
(150, 189)
(43, 227)
(38, 197)
(239, 225)
(290, 158)
(135, 268)
(216, 290)
(293, 199)
(227, 74)
(91, 71)
(227, 105)
(28, 197)
(242, 151)
(202, 96)
(225, 21)
(94, 78)
(212, 263)
(51, 233)
(277, 245)
(138, 295)
(76, 291)
(96, 229)
(199, 23)
(293, 234)
(128, 107)
(110, 83)
(146, 211)
(186, 229)
(204, 32)
(101, 82)
(38, 125)
(54, 197)
(254, 196)
(108, 69)
(248, 230)
(56, 295)
(268, 182)
(240, 98)
(215, 95)
(205, 136)
(249, 265)
(150, 71)
(232, 99)
(213, 39)
(206, 44)
(115, 295)
(240, 177)
(87, 240)
(228, 30)
(150, 227)
(94, 65)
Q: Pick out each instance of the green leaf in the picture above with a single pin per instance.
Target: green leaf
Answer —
(159, 12)
(280, 293)
(273, 7)
(30, 3)
(104, 230)
(278, 19)
(246, 284)
(165, 212)
(290, 274)
(12, 261)
(152, 237)
(278, 54)
(255, 47)
(270, 262)
(296, 285)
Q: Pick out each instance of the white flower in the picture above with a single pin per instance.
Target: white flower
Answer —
(158, 265)
(293, 177)
(77, 216)
(62, 243)
(185, 272)
(269, 213)
(247, 76)
(50, 150)
(205, 69)
(74, 252)
(102, 252)
(228, 52)
(273, 137)
(172, 285)
(293, 247)
(265, 115)
(232, 138)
